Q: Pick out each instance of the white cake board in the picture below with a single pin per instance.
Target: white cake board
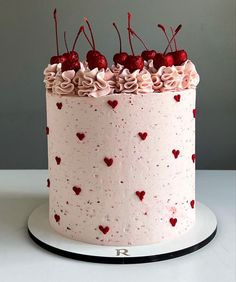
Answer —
(197, 237)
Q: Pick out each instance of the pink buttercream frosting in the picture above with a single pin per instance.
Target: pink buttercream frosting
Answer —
(63, 84)
(138, 82)
(49, 76)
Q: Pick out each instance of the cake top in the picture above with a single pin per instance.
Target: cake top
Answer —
(149, 72)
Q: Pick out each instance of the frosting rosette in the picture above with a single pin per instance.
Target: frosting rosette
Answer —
(137, 82)
(63, 84)
(49, 76)
(94, 83)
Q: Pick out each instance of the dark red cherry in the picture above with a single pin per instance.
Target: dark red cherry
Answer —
(180, 57)
(133, 63)
(120, 58)
(70, 65)
(99, 62)
(148, 54)
(91, 54)
(163, 60)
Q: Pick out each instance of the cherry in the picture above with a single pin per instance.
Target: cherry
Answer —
(163, 60)
(133, 62)
(146, 54)
(119, 58)
(95, 58)
(180, 56)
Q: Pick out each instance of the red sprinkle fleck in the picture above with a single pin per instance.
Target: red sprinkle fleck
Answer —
(103, 229)
(173, 221)
(143, 135)
(59, 106)
(140, 194)
(80, 136)
(193, 157)
(108, 161)
(192, 203)
(58, 160)
(77, 190)
(57, 217)
(177, 98)
(175, 153)
(48, 182)
(194, 113)
(113, 103)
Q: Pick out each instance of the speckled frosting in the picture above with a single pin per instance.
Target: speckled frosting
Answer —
(121, 166)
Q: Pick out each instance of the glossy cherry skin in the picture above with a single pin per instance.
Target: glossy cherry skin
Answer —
(148, 54)
(133, 63)
(70, 65)
(72, 56)
(163, 60)
(57, 59)
(99, 62)
(91, 54)
(120, 58)
(180, 57)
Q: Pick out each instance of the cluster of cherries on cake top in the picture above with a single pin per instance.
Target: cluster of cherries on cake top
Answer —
(70, 59)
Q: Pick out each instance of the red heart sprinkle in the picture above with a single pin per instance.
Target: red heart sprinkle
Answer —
(103, 229)
(48, 182)
(194, 113)
(177, 98)
(108, 161)
(113, 103)
(193, 157)
(77, 190)
(47, 130)
(59, 105)
(140, 194)
(58, 160)
(192, 203)
(57, 217)
(175, 153)
(173, 221)
(80, 136)
(143, 135)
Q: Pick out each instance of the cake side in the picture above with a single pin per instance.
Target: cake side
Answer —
(122, 167)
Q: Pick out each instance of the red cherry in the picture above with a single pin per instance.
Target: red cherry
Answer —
(92, 54)
(148, 54)
(57, 59)
(133, 63)
(70, 65)
(120, 58)
(99, 62)
(163, 60)
(180, 57)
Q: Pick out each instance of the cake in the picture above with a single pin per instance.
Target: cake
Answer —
(121, 144)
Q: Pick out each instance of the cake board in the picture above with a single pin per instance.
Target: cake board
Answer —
(197, 237)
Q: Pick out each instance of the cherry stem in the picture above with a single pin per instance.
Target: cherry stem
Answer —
(66, 42)
(55, 22)
(172, 30)
(86, 36)
(164, 31)
(115, 26)
(129, 28)
(91, 33)
(135, 34)
(77, 36)
(172, 38)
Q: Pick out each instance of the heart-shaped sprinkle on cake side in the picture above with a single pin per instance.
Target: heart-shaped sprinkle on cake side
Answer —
(48, 182)
(175, 153)
(192, 203)
(47, 130)
(108, 161)
(140, 194)
(113, 103)
(177, 98)
(80, 135)
(193, 157)
(194, 113)
(143, 135)
(173, 221)
(57, 217)
(103, 229)
(58, 160)
(59, 106)
(77, 190)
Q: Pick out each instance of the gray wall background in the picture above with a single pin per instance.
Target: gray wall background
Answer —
(27, 43)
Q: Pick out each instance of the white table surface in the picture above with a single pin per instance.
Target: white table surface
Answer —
(22, 260)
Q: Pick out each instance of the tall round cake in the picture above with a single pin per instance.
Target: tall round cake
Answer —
(121, 151)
